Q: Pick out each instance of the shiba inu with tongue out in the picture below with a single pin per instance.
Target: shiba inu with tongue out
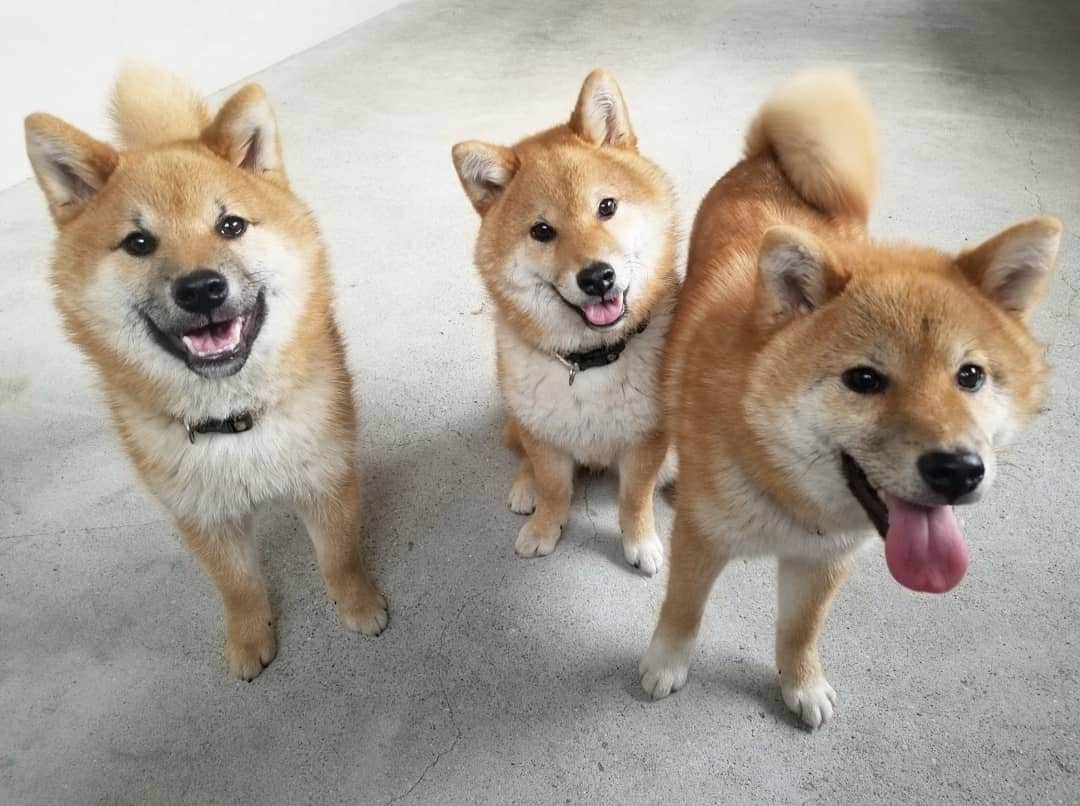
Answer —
(820, 384)
(577, 249)
(196, 283)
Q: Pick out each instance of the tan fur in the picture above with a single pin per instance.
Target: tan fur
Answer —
(822, 132)
(784, 292)
(558, 176)
(150, 107)
(183, 170)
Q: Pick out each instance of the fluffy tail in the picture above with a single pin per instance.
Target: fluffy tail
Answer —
(821, 129)
(151, 106)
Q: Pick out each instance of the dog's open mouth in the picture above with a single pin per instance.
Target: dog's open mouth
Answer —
(215, 349)
(602, 314)
(215, 340)
(924, 546)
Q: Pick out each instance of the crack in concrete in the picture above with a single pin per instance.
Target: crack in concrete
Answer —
(1035, 194)
(453, 718)
(82, 529)
(588, 509)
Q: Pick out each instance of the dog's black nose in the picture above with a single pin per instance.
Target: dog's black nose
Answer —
(201, 291)
(596, 279)
(951, 474)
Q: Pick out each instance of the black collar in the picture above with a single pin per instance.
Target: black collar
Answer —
(231, 425)
(602, 356)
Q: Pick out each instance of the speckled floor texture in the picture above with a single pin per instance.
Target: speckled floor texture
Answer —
(510, 681)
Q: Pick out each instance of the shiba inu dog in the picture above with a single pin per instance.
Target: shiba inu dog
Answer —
(820, 383)
(577, 248)
(196, 284)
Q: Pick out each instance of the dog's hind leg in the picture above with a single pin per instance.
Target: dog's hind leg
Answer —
(333, 523)
(805, 588)
(638, 469)
(695, 564)
(512, 436)
(553, 473)
(227, 552)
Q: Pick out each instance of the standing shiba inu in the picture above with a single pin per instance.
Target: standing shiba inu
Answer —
(577, 248)
(818, 382)
(196, 283)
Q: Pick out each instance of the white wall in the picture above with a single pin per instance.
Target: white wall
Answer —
(59, 56)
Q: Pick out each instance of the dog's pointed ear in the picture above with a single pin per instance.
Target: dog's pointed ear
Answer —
(484, 170)
(70, 165)
(1013, 267)
(600, 117)
(245, 133)
(796, 275)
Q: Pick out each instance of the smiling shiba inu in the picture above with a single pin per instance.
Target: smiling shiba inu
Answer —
(196, 283)
(819, 383)
(577, 248)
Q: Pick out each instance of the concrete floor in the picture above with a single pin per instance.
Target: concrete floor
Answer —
(510, 681)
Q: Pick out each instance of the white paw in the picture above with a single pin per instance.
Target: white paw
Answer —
(813, 704)
(522, 499)
(249, 650)
(645, 553)
(664, 668)
(365, 615)
(532, 543)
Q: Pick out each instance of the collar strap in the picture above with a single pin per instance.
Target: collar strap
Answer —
(231, 425)
(602, 356)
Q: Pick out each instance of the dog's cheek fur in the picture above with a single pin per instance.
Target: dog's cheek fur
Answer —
(107, 306)
(281, 266)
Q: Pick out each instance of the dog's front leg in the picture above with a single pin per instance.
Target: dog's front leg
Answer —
(522, 499)
(333, 522)
(227, 552)
(638, 469)
(696, 561)
(553, 475)
(805, 588)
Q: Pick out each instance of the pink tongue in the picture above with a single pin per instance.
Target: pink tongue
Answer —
(603, 313)
(924, 548)
(213, 338)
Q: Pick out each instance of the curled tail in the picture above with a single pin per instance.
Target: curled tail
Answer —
(820, 128)
(152, 106)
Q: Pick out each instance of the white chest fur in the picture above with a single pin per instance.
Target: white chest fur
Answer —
(605, 411)
(291, 452)
(746, 523)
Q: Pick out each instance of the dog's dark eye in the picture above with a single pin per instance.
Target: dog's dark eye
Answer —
(542, 232)
(139, 244)
(607, 209)
(231, 226)
(865, 380)
(970, 377)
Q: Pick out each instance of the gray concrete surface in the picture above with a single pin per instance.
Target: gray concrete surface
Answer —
(510, 681)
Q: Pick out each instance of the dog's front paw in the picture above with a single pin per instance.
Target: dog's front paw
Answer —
(646, 553)
(522, 499)
(813, 703)
(535, 542)
(364, 613)
(664, 668)
(249, 649)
